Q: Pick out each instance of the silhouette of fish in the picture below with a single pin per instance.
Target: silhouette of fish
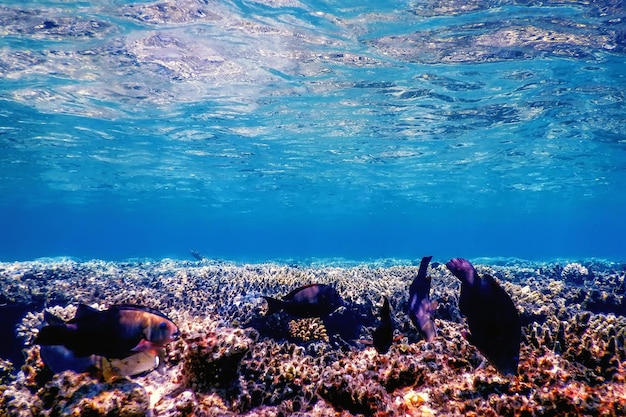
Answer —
(383, 334)
(420, 306)
(313, 300)
(115, 333)
(59, 358)
(197, 255)
(492, 318)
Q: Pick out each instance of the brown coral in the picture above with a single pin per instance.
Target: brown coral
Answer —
(308, 329)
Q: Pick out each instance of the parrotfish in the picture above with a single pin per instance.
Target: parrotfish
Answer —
(313, 300)
(59, 358)
(421, 308)
(115, 333)
(383, 334)
(492, 318)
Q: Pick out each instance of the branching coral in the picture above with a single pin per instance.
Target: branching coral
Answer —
(307, 330)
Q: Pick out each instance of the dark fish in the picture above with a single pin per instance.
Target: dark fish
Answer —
(197, 255)
(492, 318)
(420, 306)
(313, 300)
(115, 333)
(383, 334)
(59, 358)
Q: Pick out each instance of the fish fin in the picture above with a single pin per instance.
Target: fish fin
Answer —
(159, 361)
(273, 305)
(53, 335)
(136, 307)
(109, 371)
(429, 330)
(297, 290)
(82, 310)
(490, 279)
(463, 270)
(424, 266)
(51, 319)
(386, 305)
(143, 346)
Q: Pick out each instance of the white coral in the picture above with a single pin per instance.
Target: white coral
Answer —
(575, 271)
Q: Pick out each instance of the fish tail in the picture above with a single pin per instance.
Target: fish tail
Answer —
(50, 318)
(273, 305)
(57, 334)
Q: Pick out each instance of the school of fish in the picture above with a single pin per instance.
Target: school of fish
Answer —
(126, 339)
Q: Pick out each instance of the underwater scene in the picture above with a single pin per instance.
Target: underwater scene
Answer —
(312, 208)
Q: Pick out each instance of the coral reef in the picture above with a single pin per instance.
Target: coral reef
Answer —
(575, 272)
(66, 393)
(231, 359)
(71, 394)
(308, 329)
(211, 360)
(6, 372)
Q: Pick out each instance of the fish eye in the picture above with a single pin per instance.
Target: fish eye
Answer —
(163, 325)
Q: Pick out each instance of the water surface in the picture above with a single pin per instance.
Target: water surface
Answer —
(259, 130)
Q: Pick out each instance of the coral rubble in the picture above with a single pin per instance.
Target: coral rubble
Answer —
(232, 359)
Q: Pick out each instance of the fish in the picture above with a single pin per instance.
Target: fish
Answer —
(197, 255)
(59, 358)
(313, 300)
(383, 334)
(139, 363)
(421, 308)
(115, 333)
(491, 315)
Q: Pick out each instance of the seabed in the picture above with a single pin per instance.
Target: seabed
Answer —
(233, 360)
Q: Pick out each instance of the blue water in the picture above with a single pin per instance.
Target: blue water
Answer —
(294, 130)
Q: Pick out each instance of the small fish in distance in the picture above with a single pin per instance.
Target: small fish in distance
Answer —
(492, 318)
(115, 333)
(383, 334)
(313, 300)
(197, 255)
(420, 306)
